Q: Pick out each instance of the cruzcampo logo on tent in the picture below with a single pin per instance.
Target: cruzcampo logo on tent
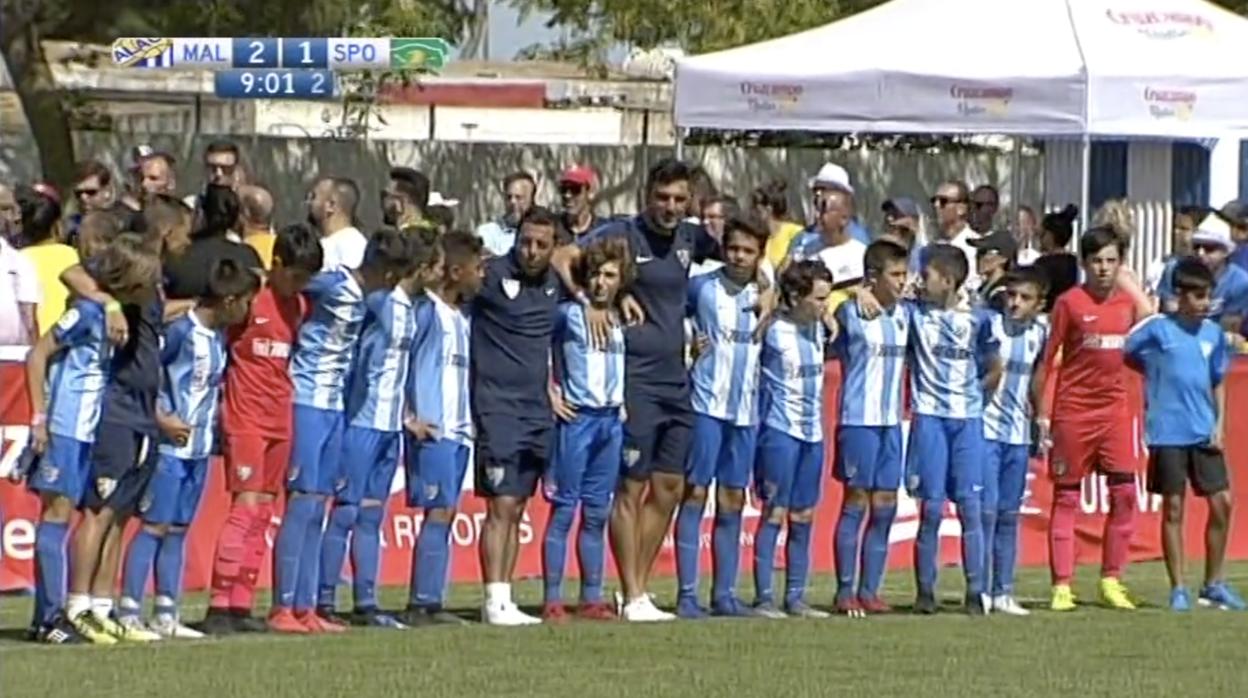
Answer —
(1170, 105)
(772, 96)
(982, 100)
(1164, 25)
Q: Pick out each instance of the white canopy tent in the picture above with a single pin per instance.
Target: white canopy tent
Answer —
(1171, 69)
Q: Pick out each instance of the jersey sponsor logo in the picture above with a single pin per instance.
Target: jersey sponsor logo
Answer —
(268, 348)
(68, 320)
(511, 288)
(1112, 342)
(261, 320)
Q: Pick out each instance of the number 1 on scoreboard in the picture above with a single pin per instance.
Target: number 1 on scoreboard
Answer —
(306, 54)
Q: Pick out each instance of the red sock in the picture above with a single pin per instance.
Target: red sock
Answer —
(1119, 526)
(1062, 534)
(230, 552)
(243, 594)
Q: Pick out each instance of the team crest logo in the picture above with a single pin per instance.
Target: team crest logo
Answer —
(340, 484)
(1058, 466)
(850, 468)
(631, 457)
(293, 474)
(68, 320)
(912, 483)
(431, 491)
(105, 486)
(49, 473)
(769, 491)
(683, 256)
(243, 472)
(494, 475)
(145, 503)
(511, 288)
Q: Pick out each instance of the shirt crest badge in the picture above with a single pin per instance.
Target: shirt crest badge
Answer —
(494, 475)
(511, 288)
(683, 256)
(105, 486)
(145, 503)
(431, 491)
(243, 472)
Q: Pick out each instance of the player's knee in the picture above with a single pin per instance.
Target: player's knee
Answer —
(1220, 506)
(159, 530)
(440, 515)
(883, 499)
(176, 529)
(667, 486)
(695, 495)
(505, 509)
(802, 516)
(856, 498)
(729, 499)
(367, 502)
(931, 514)
(776, 514)
(56, 509)
(594, 518)
(1172, 509)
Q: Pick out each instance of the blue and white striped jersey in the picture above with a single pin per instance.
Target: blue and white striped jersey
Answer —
(193, 359)
(325, 345)
(437, 384)
(873, 365)
(725, 376)
(1007, 414)
(78, 372)
(949, 350)
(376, 393)
(792, 378)
(588, 377)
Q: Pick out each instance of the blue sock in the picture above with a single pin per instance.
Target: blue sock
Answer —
(430, 563)
(333, 552)
(140, 557)
(366, 555)
(51, 567)
(725, 555)
(927, 546)
(765, 537)
(1004, 552)
(688, 548)
(845, 548)
(555, 551)
(289, 546)
(988, 534)
(591, 550)
(875, 550)
(970, 513)
(310, 557)
(797, 565)
(170, 565)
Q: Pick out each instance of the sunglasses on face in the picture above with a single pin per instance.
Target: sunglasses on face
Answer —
(571, 190)
(942, 201)
(983, 204)
(84, 193)
(1206, 247)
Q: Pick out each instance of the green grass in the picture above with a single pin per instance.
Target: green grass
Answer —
(1091, 653)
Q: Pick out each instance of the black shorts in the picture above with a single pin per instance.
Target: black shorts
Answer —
(657, 435)
(512, 455)
(122, 462)
(1170, 468)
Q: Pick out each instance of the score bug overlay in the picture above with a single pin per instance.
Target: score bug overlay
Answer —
(275, 84)
(264, 53)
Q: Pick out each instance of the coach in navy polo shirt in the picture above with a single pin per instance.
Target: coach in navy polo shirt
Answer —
(659, 427)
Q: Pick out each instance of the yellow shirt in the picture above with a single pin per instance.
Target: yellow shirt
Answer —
(262, 243)
(778, 244)
(50, 260)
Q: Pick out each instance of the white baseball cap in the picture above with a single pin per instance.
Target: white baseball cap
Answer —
(1214, 230)
(436, 199)
(832, 176)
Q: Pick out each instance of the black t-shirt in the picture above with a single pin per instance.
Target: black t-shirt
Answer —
(186, 275)
(134, 372)
(1061, 272)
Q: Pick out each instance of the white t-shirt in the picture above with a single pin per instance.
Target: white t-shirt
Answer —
(344, 248)
(19, 286)
(962, 241)
(844, 260)
(1028, 256)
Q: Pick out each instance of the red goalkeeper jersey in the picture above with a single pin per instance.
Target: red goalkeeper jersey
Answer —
(1089, 334)
(258, 390)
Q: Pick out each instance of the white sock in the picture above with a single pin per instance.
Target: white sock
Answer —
(497, 593)
(102, 608)
(77, 604)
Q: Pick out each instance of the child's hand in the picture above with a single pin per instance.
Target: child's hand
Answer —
(176, 430)
(701, 343)
(423, 431)
(1044, 435)
(39, 438)
(561, 409)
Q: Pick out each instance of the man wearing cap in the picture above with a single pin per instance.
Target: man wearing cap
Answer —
(995, 254)
(577, 185)
(1212, 243)
(405, 199)
(1235, 213)
(831, 178)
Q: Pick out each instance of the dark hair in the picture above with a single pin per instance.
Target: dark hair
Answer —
(162, 213)
(219, 207)
(442, 216)
(948, 261)
(93, 168)
(229, 279)
(881, 253)
(1092, 242)
(1061, 224)
(799, 278)
(1191, 274)
(727, 201)
(604, 249)
(424, 244)
(1028, 276)
(668, 171)
(773, 197)
(40, 214)
(413, 184)
(539, 216)
(297, 247)
(224, 147)
(1196, 213)
(520, 176)
(127, 261)
(389, 252)
(746, 225)
(459, 247)
(996, 195)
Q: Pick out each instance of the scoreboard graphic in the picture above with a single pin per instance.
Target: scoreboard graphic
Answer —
(265, 68)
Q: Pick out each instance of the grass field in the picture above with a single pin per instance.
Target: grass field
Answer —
(1092, 653)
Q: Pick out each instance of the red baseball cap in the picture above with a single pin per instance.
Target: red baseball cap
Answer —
(579, 174)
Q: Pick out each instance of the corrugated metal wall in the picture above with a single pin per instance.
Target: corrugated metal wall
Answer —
(1150, 180)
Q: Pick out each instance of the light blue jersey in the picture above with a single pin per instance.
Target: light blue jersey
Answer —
(1007, 414)
(725, 376)
(325, 345)
(792, 378)
(78, 372)
(949, 350)
(588, 377)
(873, 363)
(376, 396)
(438, 380)
(193, 358)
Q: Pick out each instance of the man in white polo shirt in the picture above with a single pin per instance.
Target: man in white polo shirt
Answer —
(19, 294)
(952, 205)
(332, 205)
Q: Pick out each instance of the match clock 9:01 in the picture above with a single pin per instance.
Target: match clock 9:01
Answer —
(274, 84)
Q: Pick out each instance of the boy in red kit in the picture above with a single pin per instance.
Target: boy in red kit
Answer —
(256, 424)
(1091, 429)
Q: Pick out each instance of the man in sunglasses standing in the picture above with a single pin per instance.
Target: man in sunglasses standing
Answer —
(952, 203)
(985, 203)
(577, 185)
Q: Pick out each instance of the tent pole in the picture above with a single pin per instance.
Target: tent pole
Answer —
(1085, 185)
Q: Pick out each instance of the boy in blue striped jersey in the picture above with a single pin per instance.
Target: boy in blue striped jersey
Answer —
(376, 403)
(439, 422)
(589, 404)
(193, 358)
(790, 442)
(319, 365)
(953, 360)
(724, 377)
(66, 371)
(1021, 335)
(868, 438)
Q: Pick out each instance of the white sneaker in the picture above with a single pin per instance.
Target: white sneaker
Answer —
(1009, 606)
(171, 628)
(129, 629)
(643, 610)
(507, 614)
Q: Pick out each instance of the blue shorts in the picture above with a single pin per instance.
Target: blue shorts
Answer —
(512, 454)
(369, 459)
(122, 462)
(435, 473)
(316, 451)
(945, 458)
(1005, 476)
(64, 468)
(869, 458)
(722, 452)
(174, 490)
(789, 471)
(657, 435)
(586, 463)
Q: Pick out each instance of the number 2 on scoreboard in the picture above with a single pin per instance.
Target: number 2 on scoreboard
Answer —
(257, 53)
